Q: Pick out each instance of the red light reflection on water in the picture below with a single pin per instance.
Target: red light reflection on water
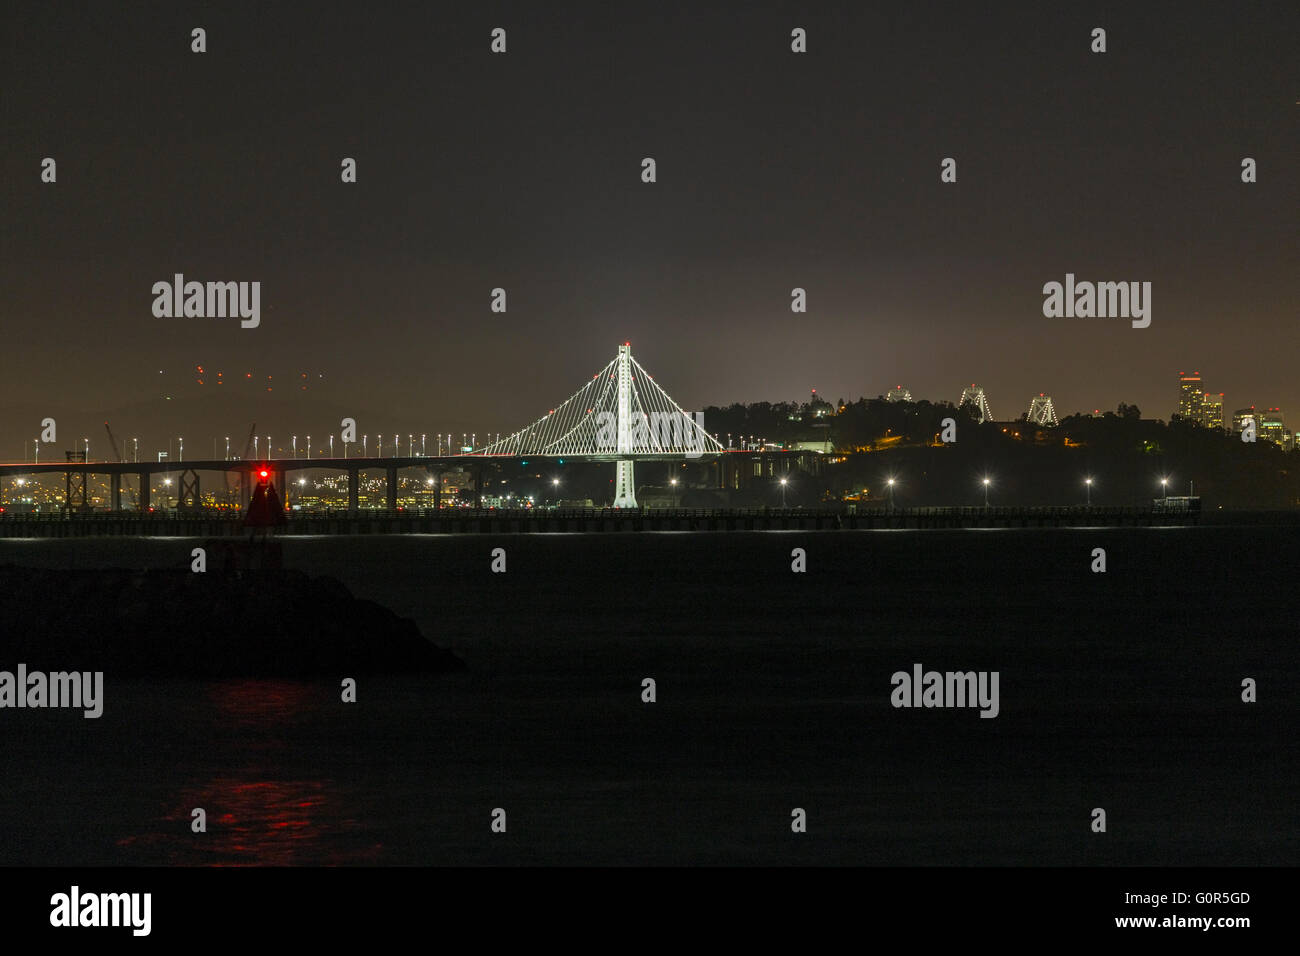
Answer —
(262, 809)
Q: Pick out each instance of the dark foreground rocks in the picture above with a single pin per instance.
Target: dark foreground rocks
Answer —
(266, 623)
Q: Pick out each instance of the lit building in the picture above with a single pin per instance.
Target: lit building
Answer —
(1195, 405)
(1191, 398)
(1272, 428)
(1243, 415)
(898, 394)
(1212, 411)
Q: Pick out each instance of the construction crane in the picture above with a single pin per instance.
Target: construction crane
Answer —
(117, 455)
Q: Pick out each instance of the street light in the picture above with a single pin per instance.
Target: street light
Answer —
(783, 484)
(1088, 483)
(227, 448)
(1164, 487)
(295, 446)
(890, 484)
(308, 446)
(986, 492)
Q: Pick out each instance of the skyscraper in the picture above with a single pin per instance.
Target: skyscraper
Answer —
(1212, 410)
(1273, 428)
(1190, 396)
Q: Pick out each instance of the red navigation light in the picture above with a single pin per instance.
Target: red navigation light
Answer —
(263, 472)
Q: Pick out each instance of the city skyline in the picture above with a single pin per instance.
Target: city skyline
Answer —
(1189, 404)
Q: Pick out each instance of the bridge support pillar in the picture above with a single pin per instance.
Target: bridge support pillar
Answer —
(143, 478)
(624, 484)
(354, 479)
(187, 498)
(74, 491)
(115, 490)
(392, 489)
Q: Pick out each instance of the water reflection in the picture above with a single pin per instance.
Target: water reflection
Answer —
(266, 804)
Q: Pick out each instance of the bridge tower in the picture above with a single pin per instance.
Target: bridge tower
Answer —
(1041, 411)
(975, 396)
(624, 474)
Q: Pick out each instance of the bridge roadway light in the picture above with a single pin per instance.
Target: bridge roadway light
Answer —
(986, 492)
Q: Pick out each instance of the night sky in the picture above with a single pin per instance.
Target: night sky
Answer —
(522, 170)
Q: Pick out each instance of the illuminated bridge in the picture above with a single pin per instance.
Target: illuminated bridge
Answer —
(621, 416)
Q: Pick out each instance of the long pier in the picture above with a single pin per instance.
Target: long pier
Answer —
(539, 521)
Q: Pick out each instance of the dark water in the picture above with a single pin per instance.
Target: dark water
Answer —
(1118, 690)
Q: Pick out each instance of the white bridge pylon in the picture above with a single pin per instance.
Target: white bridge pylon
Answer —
(621, 414)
